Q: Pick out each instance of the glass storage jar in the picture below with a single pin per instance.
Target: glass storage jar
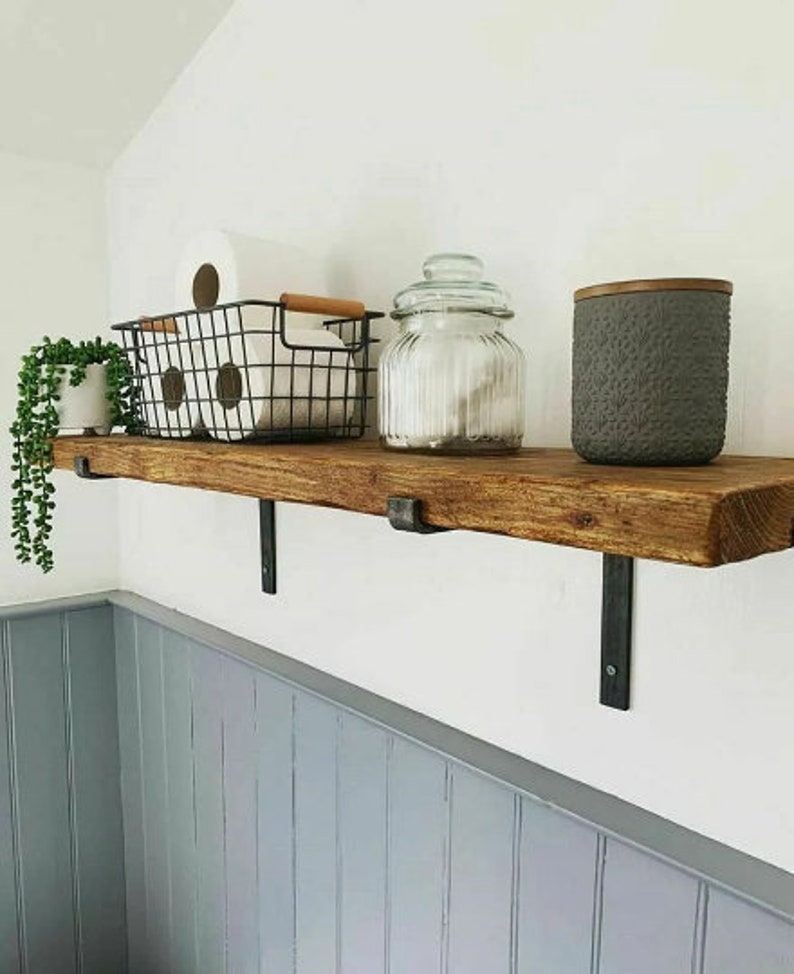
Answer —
(451, 381)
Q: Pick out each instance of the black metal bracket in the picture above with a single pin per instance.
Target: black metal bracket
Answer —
(617, 607)
(267, 542)
(83, 469)
(405, 514)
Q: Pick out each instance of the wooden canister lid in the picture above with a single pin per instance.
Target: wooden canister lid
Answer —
(656, 284)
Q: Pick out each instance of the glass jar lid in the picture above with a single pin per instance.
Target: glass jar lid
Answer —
(453, 283)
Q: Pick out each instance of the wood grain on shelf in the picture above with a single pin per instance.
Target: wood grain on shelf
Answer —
(730, 510)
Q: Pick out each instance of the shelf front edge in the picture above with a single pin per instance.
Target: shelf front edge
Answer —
(696, 527)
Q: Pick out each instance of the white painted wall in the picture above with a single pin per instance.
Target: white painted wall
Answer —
(53, 268)
(567, 143)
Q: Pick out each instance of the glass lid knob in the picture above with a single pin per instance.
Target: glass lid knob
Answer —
(453, 267)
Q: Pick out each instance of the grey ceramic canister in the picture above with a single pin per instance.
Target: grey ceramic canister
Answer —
(650, 371)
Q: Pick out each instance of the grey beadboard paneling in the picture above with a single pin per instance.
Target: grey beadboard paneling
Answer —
(132, 787)
(275, 809)
(96, 795)
(11, 936)
(62, 901)
(211, 859)
(767, 885)
(178, 693)
(240, 816)
(558, 874)
(744, 940)
(268, 830)
(45, 825)
(155, 797)
(649, 915)
(480, 874)
(317, 851)
(418, 827)
(362, 803)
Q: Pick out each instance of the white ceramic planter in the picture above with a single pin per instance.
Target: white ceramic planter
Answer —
(85, 407)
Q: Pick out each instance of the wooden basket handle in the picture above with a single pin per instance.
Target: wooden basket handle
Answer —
(332, 307)
(166, 325)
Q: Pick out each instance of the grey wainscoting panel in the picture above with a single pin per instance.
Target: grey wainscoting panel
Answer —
(275, 808)
(303, 838)
(276, 827)
(481, 873)
(649, 915)
(317, 847)
(742, 939)
(62, 903)
(11, 933)
(43, 783)
(418, 844)
(363, 844)
(178, 693)
(752, 879)
(209, 777)
(132, 787)
(240, 816)
(95, 792)
(559, 873)
(155, 795)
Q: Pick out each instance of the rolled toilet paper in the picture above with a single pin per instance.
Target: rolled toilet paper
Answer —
(169, 393)
(254, 384)
(217, 267)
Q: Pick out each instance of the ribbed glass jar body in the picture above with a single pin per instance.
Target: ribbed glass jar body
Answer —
(452, 383)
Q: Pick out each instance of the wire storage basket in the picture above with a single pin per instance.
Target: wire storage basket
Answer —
(253, 370)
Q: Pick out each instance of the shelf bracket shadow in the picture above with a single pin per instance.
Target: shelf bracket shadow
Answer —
(267, 544)
(405, 514)
(83, 470)
(617, 605)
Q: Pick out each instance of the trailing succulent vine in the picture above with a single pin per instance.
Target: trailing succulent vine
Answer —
(43, 368)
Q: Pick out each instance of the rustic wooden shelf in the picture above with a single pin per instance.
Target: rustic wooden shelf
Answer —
(730, 510)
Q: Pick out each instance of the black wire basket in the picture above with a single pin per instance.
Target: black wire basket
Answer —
(253, 370)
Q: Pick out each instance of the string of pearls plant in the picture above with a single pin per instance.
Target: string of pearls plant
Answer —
(37, 421)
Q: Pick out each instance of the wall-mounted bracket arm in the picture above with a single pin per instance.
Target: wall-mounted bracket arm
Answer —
(267, 542)
(405, 514)
(83, 469)
(617, 607)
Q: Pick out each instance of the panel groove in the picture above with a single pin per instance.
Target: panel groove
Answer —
(699, 934)
(294, 827)
(13, 788)
(598, 904)
(339, 855)
(446, 884)
(196, 873)
(144, 842)
(93, 799)
(169, 946)
(125, 943)
(224, 827)
(515, 893)
(74, 852)
(257, 850)
(388, 855)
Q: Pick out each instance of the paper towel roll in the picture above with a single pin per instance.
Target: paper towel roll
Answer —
(254, 384)
(169, 401)
(217, 267)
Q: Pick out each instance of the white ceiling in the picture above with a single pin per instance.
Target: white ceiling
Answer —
(79, 77)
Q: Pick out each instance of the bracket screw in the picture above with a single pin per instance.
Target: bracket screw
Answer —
(611, 670)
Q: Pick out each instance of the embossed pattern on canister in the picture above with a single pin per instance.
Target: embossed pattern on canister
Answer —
(650, 371)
